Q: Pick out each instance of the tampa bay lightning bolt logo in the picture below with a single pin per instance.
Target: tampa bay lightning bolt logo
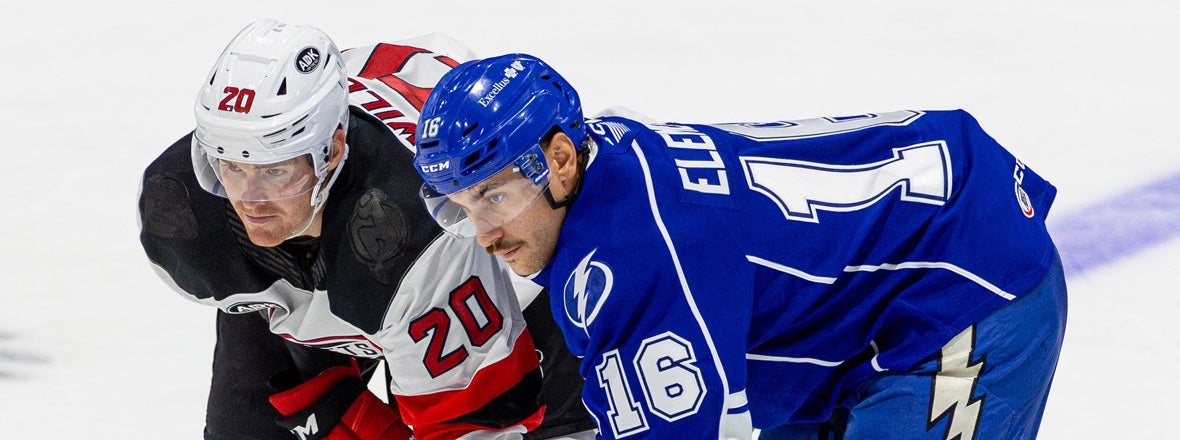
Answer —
(586, 290)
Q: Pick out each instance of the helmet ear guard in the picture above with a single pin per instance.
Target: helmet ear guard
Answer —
(532, 164)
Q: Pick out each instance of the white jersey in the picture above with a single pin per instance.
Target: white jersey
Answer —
(381, 281)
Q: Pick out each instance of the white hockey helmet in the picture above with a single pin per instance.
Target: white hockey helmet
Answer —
(277, 92)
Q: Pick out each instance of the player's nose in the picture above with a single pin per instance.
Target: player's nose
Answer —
(256, 188)
(253, 206)
(486, 234)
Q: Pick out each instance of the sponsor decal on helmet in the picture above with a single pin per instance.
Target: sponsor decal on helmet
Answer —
(308, 60)
(510, 72)
(247, 307)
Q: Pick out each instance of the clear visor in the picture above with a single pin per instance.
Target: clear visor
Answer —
(260, 182)
(485, 206)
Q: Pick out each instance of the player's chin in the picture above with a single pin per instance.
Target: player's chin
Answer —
(525, 262)
(522, 271)
(265, 237)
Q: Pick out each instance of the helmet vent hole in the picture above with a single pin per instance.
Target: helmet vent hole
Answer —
(470, 129)
(300, 130)
(475, 161)
(283, 88)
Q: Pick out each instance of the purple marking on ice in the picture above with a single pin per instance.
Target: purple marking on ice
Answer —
(1118, 227)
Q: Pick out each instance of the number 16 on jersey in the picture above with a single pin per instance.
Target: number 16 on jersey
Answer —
(669, 382)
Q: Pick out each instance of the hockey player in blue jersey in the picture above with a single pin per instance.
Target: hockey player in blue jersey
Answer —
(874, 276)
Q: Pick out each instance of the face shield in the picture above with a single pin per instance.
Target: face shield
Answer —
(493, 202)
(255, 182)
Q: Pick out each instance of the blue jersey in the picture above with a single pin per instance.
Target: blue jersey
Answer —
(710, 275)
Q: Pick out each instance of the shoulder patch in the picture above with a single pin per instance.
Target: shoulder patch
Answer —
(586, 290)
(378, 233)
(608, 132)
(166, 210)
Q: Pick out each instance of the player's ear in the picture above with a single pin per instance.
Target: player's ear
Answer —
(338, 139)
(563, 162)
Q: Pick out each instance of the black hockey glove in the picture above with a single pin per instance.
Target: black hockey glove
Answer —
(336, 405)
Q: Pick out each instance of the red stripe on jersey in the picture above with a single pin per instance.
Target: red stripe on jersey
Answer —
(388, 59)
(447, 60)
(428, 413)
(390, 115)
(414, 94)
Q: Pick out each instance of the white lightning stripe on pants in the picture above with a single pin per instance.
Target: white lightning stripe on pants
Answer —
(953, 386)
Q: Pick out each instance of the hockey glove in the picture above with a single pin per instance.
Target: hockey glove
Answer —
(336, 405)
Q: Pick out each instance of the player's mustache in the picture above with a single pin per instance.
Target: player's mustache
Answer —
(259, 211)
(500, 245)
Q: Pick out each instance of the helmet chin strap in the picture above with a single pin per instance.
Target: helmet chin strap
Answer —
(311, 219)
(320, 197)
(563, 203)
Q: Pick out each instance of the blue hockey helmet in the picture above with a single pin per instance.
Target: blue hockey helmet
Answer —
(488, 114)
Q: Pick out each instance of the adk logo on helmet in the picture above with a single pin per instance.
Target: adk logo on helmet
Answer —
(308, 60)
(586, 290)
(510, 72)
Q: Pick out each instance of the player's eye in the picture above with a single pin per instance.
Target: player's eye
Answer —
(497, 198)
(231, 167)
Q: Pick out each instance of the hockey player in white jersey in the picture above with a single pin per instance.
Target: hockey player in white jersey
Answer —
(876, 276)
(296, 215)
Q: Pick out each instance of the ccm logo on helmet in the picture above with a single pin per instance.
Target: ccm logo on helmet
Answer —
(308, 60)
(436, 167)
